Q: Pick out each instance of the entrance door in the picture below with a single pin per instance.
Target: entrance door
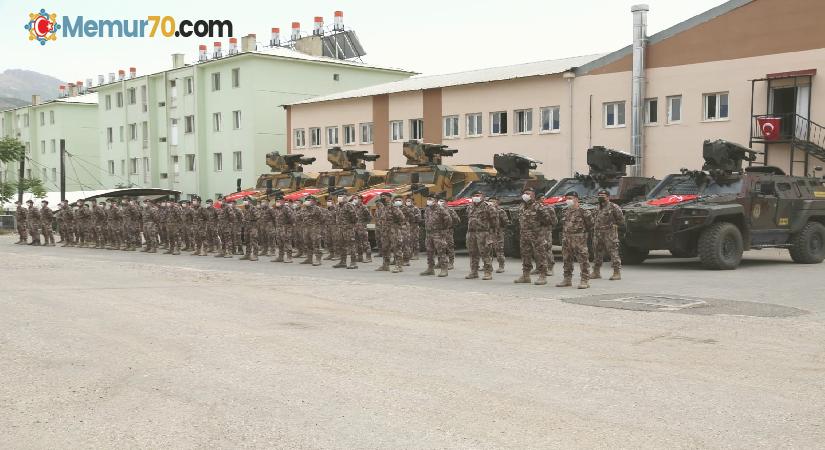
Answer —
(783, 104)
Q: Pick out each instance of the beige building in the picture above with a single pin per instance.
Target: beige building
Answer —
(713, 76)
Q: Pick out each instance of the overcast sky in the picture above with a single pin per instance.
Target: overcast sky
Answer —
(427, 36)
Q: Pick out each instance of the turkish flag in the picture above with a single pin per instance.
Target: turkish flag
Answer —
(769, 127)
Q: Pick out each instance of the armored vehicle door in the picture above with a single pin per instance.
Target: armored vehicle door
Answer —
(790, 201)
(764, 204)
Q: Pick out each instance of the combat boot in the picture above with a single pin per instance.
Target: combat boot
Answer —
(352, 264)
(176, 252)
(244, 258)
(384, 267)
(316, 261)
(280, 258)
(405, 262)
(524, 278)
(368, 258)
(288, 258)
(228, 255)
(307, 260)
(617, 275)
(220, 254)
(145, 250)
(253, 257)
(583, 284)
(597, 273)
(168, 251)
(472, 275)
(396, 269)
(451, 266)
(500, 267)
(566, 282)
(330, 256)
(152, 250)
(443, 271)
(535, 271)
(359, 258)
(197, 252)
(488, 275)
(542, 280)
(264, 253)
(341, 264)
(430, 271)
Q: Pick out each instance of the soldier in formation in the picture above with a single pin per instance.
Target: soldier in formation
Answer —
(607, 219)
(576, 223)
(482, 220)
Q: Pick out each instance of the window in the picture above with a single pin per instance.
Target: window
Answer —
(121, 133)
(716, 106)
(173, 90)
(314, 137)
(119, 98)
(123, 167)
(144, 134)
(143, 99)
(54, 174)
(216, 121)
(300, 138)
(132, 131)
(474, 124)
(396, 130)
(108, 102)
(190, 163)
(651, 111)
(189, 124)
(498, 123)
(43, 177)
(43, 147)
(51, 117)
(109, 137)
(614, 115)
(236, 78)
(111, 166)
(332, 135)
(451, 127)
(42, 118)
(26, 120)
(176, 164)
(417, 129)
(523, 121)
(237, 161)
(217, 162)
(366, 133)
(133, 166)
(54, 146)
(145, 170)
(674, 109)
(550, 119)
(236, 120)
(216, 81)
(336, 77)
(130, 96)
(190, 85)
(349, 134)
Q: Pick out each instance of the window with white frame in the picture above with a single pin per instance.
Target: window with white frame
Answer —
(498, 123)
(121, 133)
(236, 119)
(651, 111)
(237, 161)
(474, 127)
(614, 115)
(189, 84)
(236, 77)
(133, 165)
(190, 162)
(109, 137)
(523, 121)
(300, 138)
(54, 146)
(51, 117)
(54, 174)
(111, 166)
(366, 133)
(216, 122)
(550, 119)
(131, 96)
(216, 81)
(132, 131)
(417, 129)
(146, 170)
(176, 164)
(119, 99)
(43, 147)
(349, 135)
(397, 130)
(108, 102)
(144, 134)
(42, 118)
(123, 167)
(716, 106)
(315, 137)
(217, 162)
(144, 99)
(674, 109)
(43, 177)
(189, 124)
(332, 135)
(451, 127)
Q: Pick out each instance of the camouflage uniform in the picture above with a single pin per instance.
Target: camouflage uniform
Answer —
(211, 227)
(346, 220)
(380, 224)
(237, 230)
(413, 215)
(186, 230)
(437, 226)
(69, 219)
(313, 223)
(33, 223)
(224, 229)
(576, 223)
(362, 237)
(455, 220)
(99, 217)
(266, 228)
(173, 216)
(59, 217)
(46, 224)
(499, 235)
(533, 220)
(330, 231)
(82, 218)
(135, 226)
(299, 231)
(606, 220)
(392, 237)
(481, 218)
(114, 218)
(149, 218)
(251, 214)
(284, 221)
(199, 218)
(22, 219)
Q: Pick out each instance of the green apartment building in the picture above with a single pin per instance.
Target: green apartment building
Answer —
(199, 127)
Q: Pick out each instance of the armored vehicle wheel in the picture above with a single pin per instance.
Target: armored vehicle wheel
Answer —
(720, 246)
(808, 246)
(632, 256)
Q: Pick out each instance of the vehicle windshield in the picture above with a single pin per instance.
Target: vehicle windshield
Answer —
(580, 187)
(406, 177)
(686, 185)
(346, 181)
(283, 182)
(500, 190)
(325, 180)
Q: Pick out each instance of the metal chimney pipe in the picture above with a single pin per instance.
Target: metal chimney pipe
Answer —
(132, 72)
(88, 84)
(216, 53)
(111, 77)
(338, 24)
(100, 80)
(80, 87)
(61, 91)
(121, 74)
(637, 140)
(275, 40)
(296, 31)
(202, 56)
(318, 27)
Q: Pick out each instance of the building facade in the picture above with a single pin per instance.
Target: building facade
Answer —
(199, 128)
(41, 127)
(714, 76)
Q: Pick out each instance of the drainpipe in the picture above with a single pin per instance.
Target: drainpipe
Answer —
(638, 89)
(570, 76)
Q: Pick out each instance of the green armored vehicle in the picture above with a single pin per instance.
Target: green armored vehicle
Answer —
(514, 174)
(349, 176)
(288, 176)
(718, 212)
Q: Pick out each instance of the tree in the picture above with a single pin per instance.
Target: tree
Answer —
(12, 151)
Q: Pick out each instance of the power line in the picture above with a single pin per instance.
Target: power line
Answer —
(93, 165)
(88, 171)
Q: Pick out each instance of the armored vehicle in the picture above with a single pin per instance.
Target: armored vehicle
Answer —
(514, 174)
(607, 170)
(349, 176)
(721, 210)
(288, 174)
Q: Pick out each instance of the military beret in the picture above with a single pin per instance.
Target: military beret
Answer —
(572, 194)
(209, 200)
(44, 201)
(604, 192)
(29, 201)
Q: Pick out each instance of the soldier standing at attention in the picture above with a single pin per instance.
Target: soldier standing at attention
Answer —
(81, 220)
(251, 214)
(346, 219)
(69, 238)
(606, 222)
(237, 229)
(211, 226)
(173, 217)
(437, 225)
(330, 229)
(221, 226)
(149, 217)
(99, 215)
(186, 230)
(22, 219)
(136, 219)
(298, 210)
(61, 223)
(199, 218)
(265, 228)
(533, 217)
(46, 223)
(33, 223)
(114, 221)
(481, 218)
(499, 233)
(284, 219)
(576, 223)
(313, 223)
(455, 220)
(413, 215)
(362, 236)
(395, 221)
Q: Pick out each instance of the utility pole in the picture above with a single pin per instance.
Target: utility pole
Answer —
(62, 170)
(20, 175)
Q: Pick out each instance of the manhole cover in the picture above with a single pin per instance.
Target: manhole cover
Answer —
(685, 305)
